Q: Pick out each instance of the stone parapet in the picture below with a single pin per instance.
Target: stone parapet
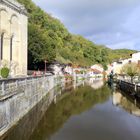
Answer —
(19, 96)
(15, 6)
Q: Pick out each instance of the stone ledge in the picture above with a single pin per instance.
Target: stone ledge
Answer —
(15, 6)
(3, 98)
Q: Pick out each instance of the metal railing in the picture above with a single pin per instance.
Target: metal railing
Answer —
(130, 88)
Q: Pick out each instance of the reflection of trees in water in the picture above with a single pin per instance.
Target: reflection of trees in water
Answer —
(124, 102)
(76, 102)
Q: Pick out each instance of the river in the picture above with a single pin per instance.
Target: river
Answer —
(89, 111)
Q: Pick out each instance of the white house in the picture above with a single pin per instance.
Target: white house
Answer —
(136, 57)
(68, 69)
(98, 67)
(117, 65)
(56, 68)
(95, 71)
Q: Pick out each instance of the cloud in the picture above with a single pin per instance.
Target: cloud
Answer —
(108, 22)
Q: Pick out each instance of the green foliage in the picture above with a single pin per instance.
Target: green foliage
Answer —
(120, 53)
(131, 70)
(4, 72)
(41, 45)
(49, 40)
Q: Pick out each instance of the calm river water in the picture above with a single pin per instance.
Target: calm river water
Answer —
(90, 111)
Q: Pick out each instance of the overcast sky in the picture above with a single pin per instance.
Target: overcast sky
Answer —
(114, 23)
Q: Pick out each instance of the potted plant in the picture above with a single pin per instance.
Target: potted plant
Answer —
(4, 70)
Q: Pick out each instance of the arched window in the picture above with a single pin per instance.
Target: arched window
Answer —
(11, 47)
(15, 26)
(5, 30)
(14, 39)
(1, 45)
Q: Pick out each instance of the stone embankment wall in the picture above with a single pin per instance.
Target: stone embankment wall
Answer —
(19, 96)
(129, 88)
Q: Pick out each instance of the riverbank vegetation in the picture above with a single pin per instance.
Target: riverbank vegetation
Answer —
(50, 40)
(131, 70)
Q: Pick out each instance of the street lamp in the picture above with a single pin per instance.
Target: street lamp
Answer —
(45, 66)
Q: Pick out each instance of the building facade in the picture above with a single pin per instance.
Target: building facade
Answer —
(117, 66)
(95, 71)
(136, 58)
(13, 37)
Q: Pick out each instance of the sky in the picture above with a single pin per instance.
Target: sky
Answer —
(114, 23)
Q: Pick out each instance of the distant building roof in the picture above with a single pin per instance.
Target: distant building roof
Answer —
(96, 71)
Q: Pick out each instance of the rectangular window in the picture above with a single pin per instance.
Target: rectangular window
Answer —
(11, 46)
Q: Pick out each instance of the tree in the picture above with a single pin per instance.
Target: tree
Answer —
(131, 69)
(49, 40)
(41, 46)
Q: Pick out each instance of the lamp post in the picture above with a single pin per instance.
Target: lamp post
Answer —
(45, 66)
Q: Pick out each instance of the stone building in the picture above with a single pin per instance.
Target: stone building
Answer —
(13, 37)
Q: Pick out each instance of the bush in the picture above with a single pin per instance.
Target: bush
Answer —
(5, 72)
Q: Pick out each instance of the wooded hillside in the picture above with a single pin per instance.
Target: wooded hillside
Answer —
(49, 40)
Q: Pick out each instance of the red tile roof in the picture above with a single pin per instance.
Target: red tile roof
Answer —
(96, 71)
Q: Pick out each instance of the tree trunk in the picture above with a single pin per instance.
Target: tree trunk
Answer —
(131, 79)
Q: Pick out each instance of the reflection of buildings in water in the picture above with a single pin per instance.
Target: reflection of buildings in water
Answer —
(95, 83)
(119, 99)
(136, 112)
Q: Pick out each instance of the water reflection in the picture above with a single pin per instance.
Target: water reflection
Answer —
(80, 111)
(95, 83)
(120, 100)
(69, 102)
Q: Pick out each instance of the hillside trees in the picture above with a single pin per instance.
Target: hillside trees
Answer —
(49, 40)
